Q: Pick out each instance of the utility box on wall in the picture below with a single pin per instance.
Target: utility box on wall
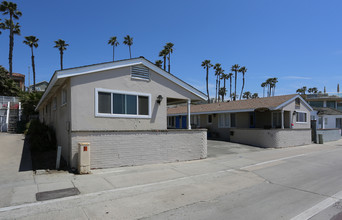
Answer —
(83, 158)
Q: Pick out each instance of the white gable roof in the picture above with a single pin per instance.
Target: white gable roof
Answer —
(60, 75)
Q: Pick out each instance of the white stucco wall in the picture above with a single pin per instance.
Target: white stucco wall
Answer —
(83, 99)
(274, 138)
(129, 148)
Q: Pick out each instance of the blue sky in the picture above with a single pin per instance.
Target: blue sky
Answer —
(300, 42)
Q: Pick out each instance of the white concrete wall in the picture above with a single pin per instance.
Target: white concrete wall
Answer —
(129, 148)
(303, 108)
(275, 138)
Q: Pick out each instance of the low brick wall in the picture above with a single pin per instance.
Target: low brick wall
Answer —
(129, 148)
(329, 134)
(275, 138)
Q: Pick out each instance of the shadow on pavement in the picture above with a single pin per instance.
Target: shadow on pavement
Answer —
(26, 161)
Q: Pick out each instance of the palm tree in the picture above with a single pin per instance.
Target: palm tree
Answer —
(247, 95)
(1, 25)
(206, 65)
(273, 85)
(224, 77)
(222, 92)
(159, 63)
(61, 45)
(163, 54)
(8, 25)
(230, 76)
(217, 67)
(113, 42)
(242, 70)
(234, 97)
(235, 68)
(11, 9)
(255, 96)
(169, 49)
(303, 90)
(128, 41)
(31, 41)
(314, 90)
(263, 85)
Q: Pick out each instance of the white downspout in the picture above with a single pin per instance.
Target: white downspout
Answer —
(282, 119)
(8, 111)
(189, 122)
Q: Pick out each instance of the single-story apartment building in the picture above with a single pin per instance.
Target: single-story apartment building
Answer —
(279, 121)
(120, 109)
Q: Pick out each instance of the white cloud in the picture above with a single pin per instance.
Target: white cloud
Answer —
(295, 77)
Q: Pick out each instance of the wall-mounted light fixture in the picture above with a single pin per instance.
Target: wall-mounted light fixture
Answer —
(294, 112)
(159, 99)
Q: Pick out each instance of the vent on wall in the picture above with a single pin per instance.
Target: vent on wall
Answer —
(140, 72)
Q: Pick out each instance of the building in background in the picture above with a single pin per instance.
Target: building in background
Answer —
(19, 79)
(40, 87)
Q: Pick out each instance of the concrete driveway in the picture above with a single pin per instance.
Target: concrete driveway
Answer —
(15, 168)
(222, 148)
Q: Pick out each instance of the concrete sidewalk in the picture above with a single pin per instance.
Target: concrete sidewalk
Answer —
(21, 187)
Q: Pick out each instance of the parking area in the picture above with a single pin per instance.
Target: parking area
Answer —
(218, 148)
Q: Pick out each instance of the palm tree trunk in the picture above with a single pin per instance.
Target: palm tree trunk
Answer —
(10, 46)
(224, 86)
(216, 91)
(169, 58)
(219, 87)
(263, 92)
(230, 88)
(130, 55)
(33, 70)
(207, 84)
(165, 62)
(235, 85)
(243, 85)
(61, 59)
(113, 53)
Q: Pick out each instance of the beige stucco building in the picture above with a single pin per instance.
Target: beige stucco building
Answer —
(278, 121)
(120, 108)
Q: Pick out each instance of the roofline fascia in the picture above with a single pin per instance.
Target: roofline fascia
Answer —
(107, 66)
(214, 112)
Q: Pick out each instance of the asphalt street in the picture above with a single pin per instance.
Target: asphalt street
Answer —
(235, 182)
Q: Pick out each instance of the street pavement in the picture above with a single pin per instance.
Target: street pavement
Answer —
(235, 182)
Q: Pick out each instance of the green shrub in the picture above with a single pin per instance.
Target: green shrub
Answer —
(41, 137)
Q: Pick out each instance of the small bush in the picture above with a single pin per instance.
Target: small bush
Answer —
(41, 136)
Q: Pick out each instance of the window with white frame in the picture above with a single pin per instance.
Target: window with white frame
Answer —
(195, 120)
(301, 117)
(276, 119)
(210, 119)
(64, 96)
(171, 121)
(224, 120)
(111, 103)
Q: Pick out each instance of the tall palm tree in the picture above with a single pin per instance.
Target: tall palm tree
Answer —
(207, 65)
(235, 69)
(129, 42)
(263, 85)
(217, 67)
(169, 49)
(159, 63)
(224, 77)
(230, 76)
(242, 70)
(1, 25)
(61, 45)
(222, 92)
(11, 9)
(32, 41)
(163, 54)
(113, 42)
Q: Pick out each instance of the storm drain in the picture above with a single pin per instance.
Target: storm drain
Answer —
(56, 194)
